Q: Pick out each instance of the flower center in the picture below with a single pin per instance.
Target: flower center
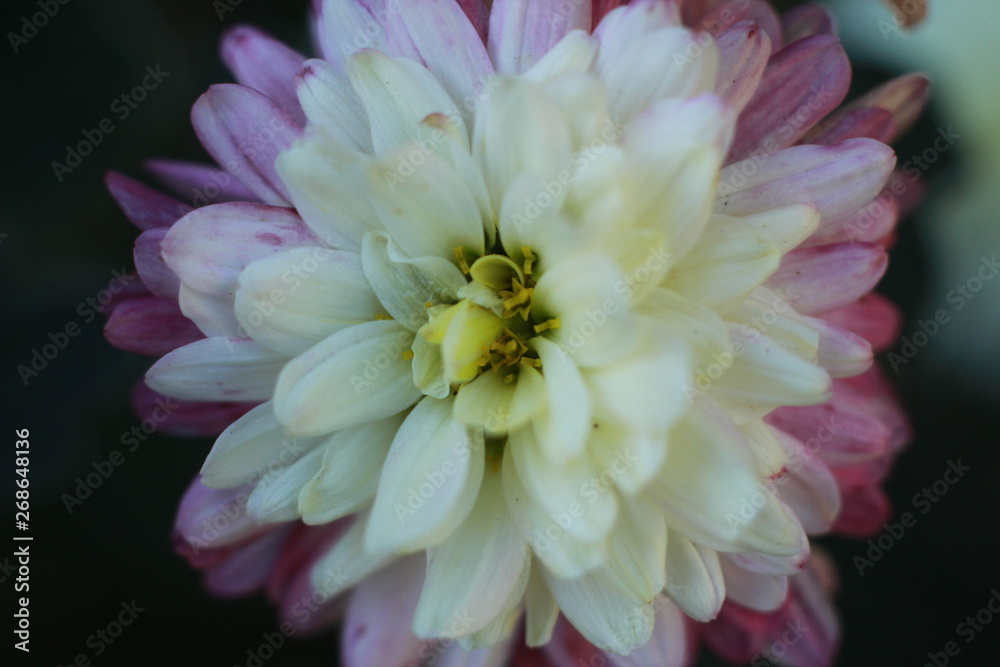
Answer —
(489, 328)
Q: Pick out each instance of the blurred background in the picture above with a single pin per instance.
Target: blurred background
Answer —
(62, 239)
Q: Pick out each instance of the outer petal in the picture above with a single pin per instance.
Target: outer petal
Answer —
(813, 75)
(217, 369)
(522, 31)
(210, 246)
(144, 206)
(244, 131)
(265, 64)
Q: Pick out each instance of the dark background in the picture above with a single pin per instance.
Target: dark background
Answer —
(60, 243)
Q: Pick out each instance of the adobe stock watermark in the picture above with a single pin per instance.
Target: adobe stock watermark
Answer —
(102, 638)
(958, 297)
(31, 24)
(59, 340)
(968, 629)
(552, 189)
(859, 226)
(706, 376)
(121, 107)
(434, 480)
(105, 468)
(923, 501)
(576, 336)
(905, 13)
(749, 507)
(589, 492)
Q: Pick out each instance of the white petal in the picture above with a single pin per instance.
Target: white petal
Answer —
(348, 474)
(562, 552)
(356, 375)
(694, 578)
(477, 570)
(440, 35)
(292, 301)
(329, 102)
(610, 619)
(427, 210)
(485, 403)
(519, 131)
(252, 446)
(324, 179)
(563, 428)
(644, 57)
(574, 54)
(346, 563)
(429, 482)
(712, 493)
(397, 93)
(541, 610)
(405, 286)
(217, 369)
(276, 496)
(669, 646)
(587, 294)
(428, 370)
(574, 492)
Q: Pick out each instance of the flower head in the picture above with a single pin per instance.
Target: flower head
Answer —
(543, 323)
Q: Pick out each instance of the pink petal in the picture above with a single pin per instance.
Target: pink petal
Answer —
(726, 14)
(880, 397)
(866, 509)
(843, 431)
(343, 27)
(247, 567)
(210, 246)
(209, 520)
(873, 317)
(198, 184)
(811, 611)
(478, 12)
(265, 64)
(841, 352)
(149, 264)
(808, 487)
(904, 97)
(670, 645)
(744, 51)
(822, 278)
(873, 222)
(807, 20)
(144, 206)
(522, 31)
(149, 325)
(303, 548)
(379, 616)
(803, 83)
(837, 179)
(193, 419)
(244, 131)
(600, 9)
(876, 124)
(438, 34)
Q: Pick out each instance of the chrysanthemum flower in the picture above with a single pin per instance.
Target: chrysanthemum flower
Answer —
(533, 311)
